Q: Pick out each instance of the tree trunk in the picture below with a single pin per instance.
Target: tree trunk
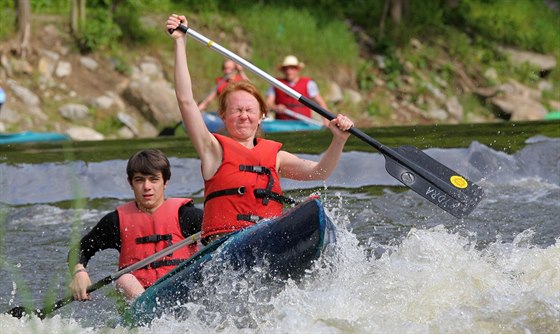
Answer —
(396, 11)
(77, 16)
(23, 22)
(383, 18)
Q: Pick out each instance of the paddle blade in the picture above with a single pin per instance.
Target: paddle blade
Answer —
(433, 181)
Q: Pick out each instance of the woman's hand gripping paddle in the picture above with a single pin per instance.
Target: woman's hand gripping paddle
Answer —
(415, 169)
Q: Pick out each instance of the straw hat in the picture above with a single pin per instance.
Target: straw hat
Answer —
(291, 61)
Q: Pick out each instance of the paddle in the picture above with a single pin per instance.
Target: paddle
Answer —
(20, 311)
(415, 169)
(170, 130)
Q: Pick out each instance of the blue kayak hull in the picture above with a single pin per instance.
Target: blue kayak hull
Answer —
(31, 137)
(289, 243)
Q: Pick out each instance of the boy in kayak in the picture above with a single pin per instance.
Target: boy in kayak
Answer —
(278, 101)
(139, 229)
(241, 172)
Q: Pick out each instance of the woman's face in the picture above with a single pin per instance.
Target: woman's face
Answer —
(242, 116)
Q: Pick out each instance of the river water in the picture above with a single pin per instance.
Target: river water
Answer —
(400, 265)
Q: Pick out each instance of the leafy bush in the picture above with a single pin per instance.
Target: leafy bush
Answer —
(284, 31)
(100, 32)
(528, 24)
(8, 15)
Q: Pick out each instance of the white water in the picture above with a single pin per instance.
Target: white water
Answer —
(399, 266)
(433, 282)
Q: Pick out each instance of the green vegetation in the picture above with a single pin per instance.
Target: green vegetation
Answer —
(291, 24)
(336, 40)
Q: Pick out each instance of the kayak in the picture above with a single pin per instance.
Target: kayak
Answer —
(552, 115)
(215, 124)
(288, 244)
(31, 137)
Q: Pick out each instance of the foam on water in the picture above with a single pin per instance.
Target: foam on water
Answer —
(433, 281)
(400, 265)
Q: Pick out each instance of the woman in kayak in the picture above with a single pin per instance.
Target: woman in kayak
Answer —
(241, 172)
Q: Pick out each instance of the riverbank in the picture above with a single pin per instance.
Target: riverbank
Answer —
(127, 92)
(507, 137)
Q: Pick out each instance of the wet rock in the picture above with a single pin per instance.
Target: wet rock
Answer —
(63, 69)
(454, 108)
(89, 63)
(73, 111)
(29, 98)
(352, 95)
(83, 133)
(519, 107)
(334, 93)
(155, 99)
(543, 62)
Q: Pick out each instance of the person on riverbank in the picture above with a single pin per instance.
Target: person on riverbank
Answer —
(232, 72)
(139, 229)
(278, 101)
(241, 172)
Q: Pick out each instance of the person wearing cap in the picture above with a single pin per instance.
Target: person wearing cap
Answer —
(278, 101)
(232, 72)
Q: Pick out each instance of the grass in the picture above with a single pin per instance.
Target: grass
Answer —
(264, 34)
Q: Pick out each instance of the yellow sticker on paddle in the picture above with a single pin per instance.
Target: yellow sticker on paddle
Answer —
(459, 181)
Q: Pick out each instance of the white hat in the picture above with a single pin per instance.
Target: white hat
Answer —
(292, 61)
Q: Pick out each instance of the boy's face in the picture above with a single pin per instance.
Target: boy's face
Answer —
(148, 190)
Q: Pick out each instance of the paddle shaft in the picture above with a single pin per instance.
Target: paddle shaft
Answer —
(19, 311)
(412, 167)
(385, 150)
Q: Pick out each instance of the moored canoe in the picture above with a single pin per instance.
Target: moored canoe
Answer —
(31, 137)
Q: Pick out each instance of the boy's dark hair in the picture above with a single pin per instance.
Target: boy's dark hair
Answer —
(148, 162)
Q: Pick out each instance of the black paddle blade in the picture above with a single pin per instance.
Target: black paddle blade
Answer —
(433, 181)
(20, 311)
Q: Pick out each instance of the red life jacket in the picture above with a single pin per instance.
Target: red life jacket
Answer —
(223, 83)
(144, 234)
(245, 189)
(290, 102)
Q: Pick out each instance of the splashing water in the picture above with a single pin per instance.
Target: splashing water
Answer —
(399, 265)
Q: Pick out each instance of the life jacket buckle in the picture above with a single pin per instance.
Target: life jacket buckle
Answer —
(241, 190)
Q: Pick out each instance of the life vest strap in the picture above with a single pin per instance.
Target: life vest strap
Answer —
(232, 191)
(154, 238)
(254, 169)
(249, 218)
(267, 194)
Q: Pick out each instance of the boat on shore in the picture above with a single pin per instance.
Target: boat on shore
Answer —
(285, 246)
(32, 137)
